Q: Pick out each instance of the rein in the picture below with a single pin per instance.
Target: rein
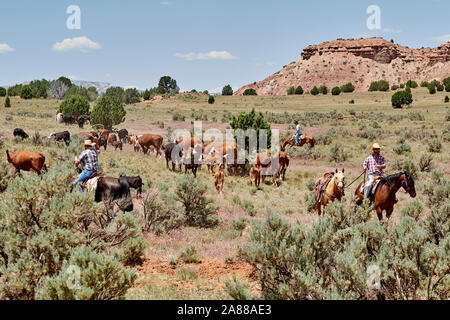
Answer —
(356, 179)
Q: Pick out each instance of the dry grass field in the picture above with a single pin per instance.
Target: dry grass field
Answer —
(344, 132)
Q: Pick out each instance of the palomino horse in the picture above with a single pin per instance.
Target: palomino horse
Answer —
(385, 193)
(334, 189)
(291, 141)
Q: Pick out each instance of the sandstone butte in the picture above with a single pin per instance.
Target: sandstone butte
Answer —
(360, 62)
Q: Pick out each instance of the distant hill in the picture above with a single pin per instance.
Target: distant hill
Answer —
(360, 62)
(101, 86)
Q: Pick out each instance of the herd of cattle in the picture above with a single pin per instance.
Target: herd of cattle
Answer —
(192, 153)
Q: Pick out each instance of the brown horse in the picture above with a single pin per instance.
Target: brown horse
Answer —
(291, 141)
(385, 194)
(334, 189)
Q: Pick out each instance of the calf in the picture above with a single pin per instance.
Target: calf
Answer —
(135, 182)
(61, 136)
(123, 135)
(81, 120)
(172, 152)
(117, 144)
(255, 176)
(68, 119)
(192, 160)
(103, 142)
(18, 132)
(26, 161)
(112, 138)
(219, 177)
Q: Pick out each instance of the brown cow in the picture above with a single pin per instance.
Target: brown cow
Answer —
(112, 138)
(104, 133)
(117, 144)
(255, 176)
(219, 177)
(26, 161)
(151, 140)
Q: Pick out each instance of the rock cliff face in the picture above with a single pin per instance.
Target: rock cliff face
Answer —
(360, 61)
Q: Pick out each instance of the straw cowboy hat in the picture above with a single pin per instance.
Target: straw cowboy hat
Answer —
(375, 146)
(88, 143)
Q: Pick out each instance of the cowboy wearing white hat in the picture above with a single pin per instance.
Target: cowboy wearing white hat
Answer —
(89, 162)
(375, 164)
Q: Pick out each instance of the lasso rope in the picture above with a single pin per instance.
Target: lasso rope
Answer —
(356, 179)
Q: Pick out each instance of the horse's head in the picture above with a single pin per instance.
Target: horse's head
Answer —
(408, 184)
(340, 180)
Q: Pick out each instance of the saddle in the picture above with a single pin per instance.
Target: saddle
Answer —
(321, 185)
(373, 188)
(85, 185)
(300, 138)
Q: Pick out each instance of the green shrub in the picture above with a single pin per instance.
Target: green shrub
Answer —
(401, 147)
(290, 91)
(412, 84)
(424, 84)
(108, 112)
(348, 87)
(187, 273)
(431, 89)
(323, 90)
(255, 121)
(198, 210)
(381, 85)
(395, 87)
(88, 275)
(75, 105)
(239, 224)
(435, 146)
(314, 91)
(7, 102)
(250, 92)
(299, 90)
(413, 209)
(336, 91)
(26, 92)
(425, 162)
(189, 255)
(133, 252)
(446, 99)
(337, 153)
(2, 92)
(401, 98)
(211, 100)
(227, 90)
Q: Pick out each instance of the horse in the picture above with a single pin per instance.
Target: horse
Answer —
(384, 197)
(334, 184)
(291, 141)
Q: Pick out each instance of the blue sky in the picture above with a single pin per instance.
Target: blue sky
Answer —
(203, 44)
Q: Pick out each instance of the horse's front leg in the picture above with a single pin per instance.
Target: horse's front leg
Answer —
(389, 212)
(379, 213)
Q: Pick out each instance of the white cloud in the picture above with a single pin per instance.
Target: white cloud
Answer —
(73, 77)
(166, 3)
(213, 55)
(444, 38)
(82, 44)
(4, 48)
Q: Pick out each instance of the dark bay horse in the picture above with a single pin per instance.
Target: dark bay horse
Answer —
(291, 141)
(385, 194)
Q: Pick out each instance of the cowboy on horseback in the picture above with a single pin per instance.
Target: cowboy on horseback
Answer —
(299, 131)
(375, 164)
(89, 163)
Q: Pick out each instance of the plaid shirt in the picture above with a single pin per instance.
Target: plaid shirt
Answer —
(371, 163)
(89, 159)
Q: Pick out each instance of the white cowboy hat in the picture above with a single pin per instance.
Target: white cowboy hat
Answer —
(88, 143)
(375, 146)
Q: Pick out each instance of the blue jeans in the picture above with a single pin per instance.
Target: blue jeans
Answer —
(84, 175)
(297, 135)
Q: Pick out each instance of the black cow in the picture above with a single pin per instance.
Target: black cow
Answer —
(81, 120)
(61, 136)
(176, 158)
(123, 135)
(193, 163)
(110, 189)
(135, 183)
(68, 119)
(18, 132)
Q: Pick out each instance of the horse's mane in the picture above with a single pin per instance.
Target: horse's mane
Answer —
(393, 177)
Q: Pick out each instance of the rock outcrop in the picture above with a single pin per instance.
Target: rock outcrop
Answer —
(360, 61)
